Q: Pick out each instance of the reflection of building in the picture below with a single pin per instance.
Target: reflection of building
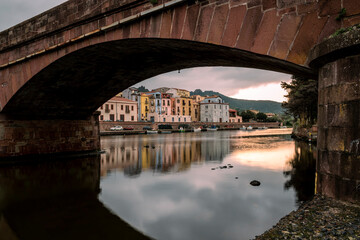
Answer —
(214, 109)
(233, 117)
(139, 153)
(119, 109)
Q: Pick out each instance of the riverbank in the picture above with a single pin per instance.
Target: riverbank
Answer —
(320, 218)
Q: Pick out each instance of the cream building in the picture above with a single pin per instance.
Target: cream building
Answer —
(119, 109)
(214, 109)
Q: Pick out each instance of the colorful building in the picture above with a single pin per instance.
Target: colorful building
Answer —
(233, 117)
(119, 109)
(214, 109)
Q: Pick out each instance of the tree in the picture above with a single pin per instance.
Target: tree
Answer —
(143, 89)
(261, 117)
(247, 115)
(302, 99)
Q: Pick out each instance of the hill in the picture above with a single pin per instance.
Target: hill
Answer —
(265, 106)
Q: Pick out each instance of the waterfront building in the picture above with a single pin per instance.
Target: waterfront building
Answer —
(214, 109)
(131, 93)
(119, 109)
(144, 106)
(177, 92)
(233, 117)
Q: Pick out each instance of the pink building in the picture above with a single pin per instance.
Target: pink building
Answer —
(119, 109)
(233, 117)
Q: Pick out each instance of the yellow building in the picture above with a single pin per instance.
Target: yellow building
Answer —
(195, 107)
(183, 106)
(144, 106)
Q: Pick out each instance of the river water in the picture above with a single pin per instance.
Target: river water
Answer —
(163, 186)
(175, 186)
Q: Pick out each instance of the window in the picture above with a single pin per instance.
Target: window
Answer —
(220, 106)
(101, 117)
(127, 109)
(168, 102)
(179, 119)
(184, 119)
(132, 118)
(132, 108)
(164, 120)
(158, 102)
(112, 117)
(173, 119)
(122, 117)
(207, 119)
(122, 107)
(214, 106)
(206, 107)
(112, 107)
(189, 102)
(101, 107)
(178, 101)
(164, 102)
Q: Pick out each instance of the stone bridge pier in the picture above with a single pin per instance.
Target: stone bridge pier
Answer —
(338, 166)
(21, 136)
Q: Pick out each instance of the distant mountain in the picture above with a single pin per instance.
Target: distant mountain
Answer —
(265, 106)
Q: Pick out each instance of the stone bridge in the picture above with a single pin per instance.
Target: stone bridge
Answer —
(57, 68)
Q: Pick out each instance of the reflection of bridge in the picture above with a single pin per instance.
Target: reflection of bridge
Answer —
(57, 200)
(56, 69)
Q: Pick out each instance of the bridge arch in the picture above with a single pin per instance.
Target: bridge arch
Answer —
(282, 29)
(75, 85)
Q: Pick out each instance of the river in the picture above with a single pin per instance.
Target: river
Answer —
(165, 186)
(175, 186)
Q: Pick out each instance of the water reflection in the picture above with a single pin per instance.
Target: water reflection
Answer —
(302, 172)
(160, 153)
(176, 187)
(57, 199)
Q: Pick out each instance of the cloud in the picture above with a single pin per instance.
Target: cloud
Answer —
(227, 80)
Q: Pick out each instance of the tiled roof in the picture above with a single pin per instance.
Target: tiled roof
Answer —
(121, 99)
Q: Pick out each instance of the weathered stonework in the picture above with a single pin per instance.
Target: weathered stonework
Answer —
(24, 137)
(338, 166)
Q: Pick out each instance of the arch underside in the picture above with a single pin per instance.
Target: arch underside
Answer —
(74, 86)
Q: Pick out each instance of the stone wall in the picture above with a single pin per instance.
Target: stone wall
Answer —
(37, 137)
(338, 166)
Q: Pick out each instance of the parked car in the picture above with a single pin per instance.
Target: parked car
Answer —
(147, 128)
(116, 128)
(128, 128)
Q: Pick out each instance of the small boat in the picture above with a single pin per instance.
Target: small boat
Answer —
(262, 127)
(181, 129)
(212, 128)
(151, 131)
(197, 129)
(249, 128)
(243, 128)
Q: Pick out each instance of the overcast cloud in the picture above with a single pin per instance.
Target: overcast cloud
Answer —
(228, 81)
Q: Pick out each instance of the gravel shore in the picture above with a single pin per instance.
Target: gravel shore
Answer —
(320, 218)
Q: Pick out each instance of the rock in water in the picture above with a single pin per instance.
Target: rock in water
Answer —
(255, 183)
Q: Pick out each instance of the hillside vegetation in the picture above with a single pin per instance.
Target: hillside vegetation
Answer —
(241, 104)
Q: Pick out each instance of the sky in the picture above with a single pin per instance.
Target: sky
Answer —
(241, 83)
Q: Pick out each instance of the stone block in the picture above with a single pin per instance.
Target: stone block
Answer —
(266, 32)
(306, 38)
(218, 24)
(348, 70)
(253, 3)
(233, 26)
(330, 27)
(161, 25)
(329, 7)
(326, 75)
(289, 3)
(178, 21)
(189, 24)
(351, 21)
(202, 28)
(285, 35)
(308, 7)
(352, 7)
(249, 28)
(269, 4)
